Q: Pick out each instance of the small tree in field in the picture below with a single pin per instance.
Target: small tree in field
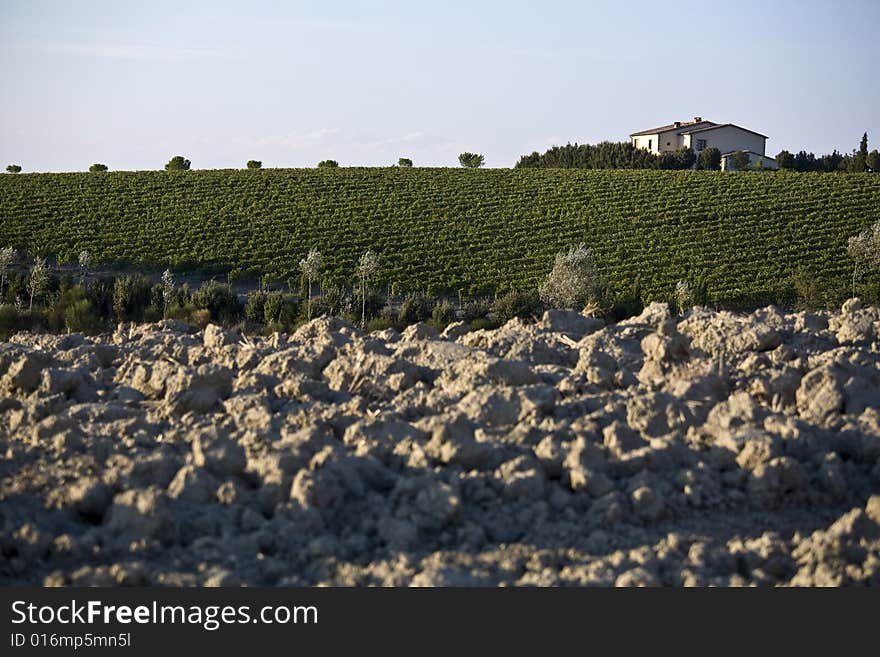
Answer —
(38, 280)
(7, 257)
(97, 167)
(328, 164)
(310, 266)
(178, 163)
(367, 266)
(740, 160)
(471, 160)
(710, 159)
(167, 289)
(404, 162)
(85, 262)
(573, 282)
(683, 296)
(864, 250)
(254, 164)
(14, 168)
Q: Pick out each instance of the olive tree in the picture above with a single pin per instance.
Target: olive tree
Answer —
(367, 266)
(7, 257)
(864, 250)
(574, 280)
(97, 167)
(254, 164)
(14, 168)
(37, 281)
(310, 266)
(178, 163)
(85, 262)
(404, 162)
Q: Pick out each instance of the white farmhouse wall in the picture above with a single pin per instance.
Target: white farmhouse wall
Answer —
(670, 141)
(728, 139)
(766, 161)
(642, 142)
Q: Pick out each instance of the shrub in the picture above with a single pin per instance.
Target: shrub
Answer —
(574, 281)
(710, 159)
(13, 168)
(516, 303)
(442, 315)
(328, 164)
(471, 160)
(178, 163)
(254, 164)
(131, 296)
(9, 321)
(201, 317)
(740, 160)
(335, 299)
(255, 306)
(476, 309)
(98, 168)
(281, 309)
(219, 300)
(415, 308)
(370, 306)
(80, 317)
(404, 162)
(380, 324)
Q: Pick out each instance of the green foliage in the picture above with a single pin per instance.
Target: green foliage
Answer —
(442, 314)
(219, 300)
(404, 162)
(476, 309)
(785, 160)
(131, 298)
(471, 160)
(740, 160)
(98, 168)
(9, 321)
(710, 159)
(328, 164)
(254, 164)
(80, 317)
(605, 155)
(177, 163)
(873, 161)
(281, 309)
(451, 229)
(517, 303)
(254, 307)
(13, 168)
(415, 308)
(859, 163)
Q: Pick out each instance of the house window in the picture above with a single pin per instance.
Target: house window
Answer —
(701, 144)
(649, 143)
(668, 143)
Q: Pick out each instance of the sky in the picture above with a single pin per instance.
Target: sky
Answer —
(364, 83)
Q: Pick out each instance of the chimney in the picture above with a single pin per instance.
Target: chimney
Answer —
(697, 119)
(677, 124)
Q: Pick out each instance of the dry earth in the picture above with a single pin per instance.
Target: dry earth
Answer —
(710, 449)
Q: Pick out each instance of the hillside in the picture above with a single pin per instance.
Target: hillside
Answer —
(454, 229)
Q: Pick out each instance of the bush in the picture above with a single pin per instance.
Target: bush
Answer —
(335, 299)
(328, 164)
(131, 297)
(404, 162)
(254, 164)
(415, 308)
(573, 282)
(219, 300)
(374, 304)
(13, 168)
(476, 309)
(380, 324)
(471, 160)
(442, 315)
(281, 309)
(80, 317)
(516, 303)
(9, 321)
(178, 163)
(98, 168)
(710, 159)
(255, 306)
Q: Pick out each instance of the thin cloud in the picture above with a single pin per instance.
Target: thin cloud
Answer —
(143, 52)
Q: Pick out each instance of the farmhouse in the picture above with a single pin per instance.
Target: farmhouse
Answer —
(699, 135)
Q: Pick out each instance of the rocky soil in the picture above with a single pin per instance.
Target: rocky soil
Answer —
(708, 449)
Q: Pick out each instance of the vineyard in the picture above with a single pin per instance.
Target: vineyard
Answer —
(448, 230)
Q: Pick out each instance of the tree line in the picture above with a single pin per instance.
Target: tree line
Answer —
(859, 161)
(618, 155)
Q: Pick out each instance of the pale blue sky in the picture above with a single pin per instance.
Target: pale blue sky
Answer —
(291, 83)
